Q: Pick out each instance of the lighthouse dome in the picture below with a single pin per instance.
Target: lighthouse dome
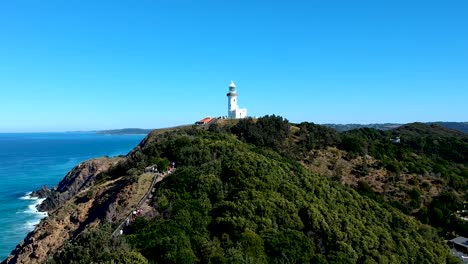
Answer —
(232, 87)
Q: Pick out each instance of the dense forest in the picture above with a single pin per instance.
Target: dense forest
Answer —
(246, 192)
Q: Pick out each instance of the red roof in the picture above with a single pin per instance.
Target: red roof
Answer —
(205, 120)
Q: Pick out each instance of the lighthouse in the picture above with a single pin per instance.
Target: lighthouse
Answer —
(233, 109)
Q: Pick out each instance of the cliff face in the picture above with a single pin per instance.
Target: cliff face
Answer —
(78, 179)
(76, 204)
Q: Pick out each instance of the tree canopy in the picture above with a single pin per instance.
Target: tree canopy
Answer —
(241, 195)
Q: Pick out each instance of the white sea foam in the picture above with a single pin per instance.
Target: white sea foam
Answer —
(32, 210)
(28, 196)
(29, 225)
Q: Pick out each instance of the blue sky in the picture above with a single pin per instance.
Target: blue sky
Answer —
(82, 65)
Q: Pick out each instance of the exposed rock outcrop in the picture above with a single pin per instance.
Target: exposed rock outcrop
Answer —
(79, 178)
(76, 204)
(43, 192)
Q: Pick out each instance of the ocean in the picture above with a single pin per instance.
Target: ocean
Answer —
(29, 161)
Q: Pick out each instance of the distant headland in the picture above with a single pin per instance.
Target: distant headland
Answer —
(125, 131)
(460, 126)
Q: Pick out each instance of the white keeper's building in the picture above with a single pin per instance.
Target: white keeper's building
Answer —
(233, 109)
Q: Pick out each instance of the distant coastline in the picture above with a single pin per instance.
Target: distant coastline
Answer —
(125, 131)
(460, 126)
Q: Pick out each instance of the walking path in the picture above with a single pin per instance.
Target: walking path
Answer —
(156, 178)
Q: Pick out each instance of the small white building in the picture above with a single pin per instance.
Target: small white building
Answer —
(233, 109)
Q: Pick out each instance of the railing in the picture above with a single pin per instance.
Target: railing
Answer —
(157, 178)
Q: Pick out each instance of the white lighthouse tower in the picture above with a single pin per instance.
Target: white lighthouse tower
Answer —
(233, 109)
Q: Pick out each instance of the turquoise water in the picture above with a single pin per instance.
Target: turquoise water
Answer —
(29, 161)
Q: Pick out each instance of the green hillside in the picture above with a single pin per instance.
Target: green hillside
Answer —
(459, 126)
(242, 194)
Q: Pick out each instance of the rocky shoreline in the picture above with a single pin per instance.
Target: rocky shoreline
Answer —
(68, 213)
(43, 193)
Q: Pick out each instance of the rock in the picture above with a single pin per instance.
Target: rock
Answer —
(78, 179)
(80, 202)
(44, 192)
(66, 219)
